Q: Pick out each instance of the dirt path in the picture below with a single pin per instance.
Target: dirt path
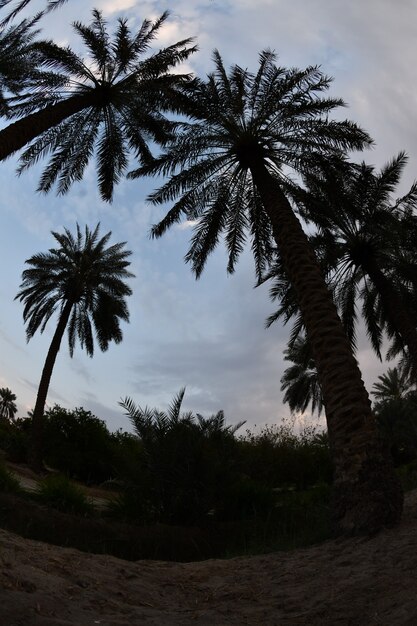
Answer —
(359, 582)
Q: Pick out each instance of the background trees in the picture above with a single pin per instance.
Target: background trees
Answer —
(83, 280)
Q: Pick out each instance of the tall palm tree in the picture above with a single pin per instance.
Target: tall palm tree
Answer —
(8, 408)
(110, 105)
(83, 280)
(227, 168)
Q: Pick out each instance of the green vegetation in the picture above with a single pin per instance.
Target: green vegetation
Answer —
(185, 485)
(58, 492)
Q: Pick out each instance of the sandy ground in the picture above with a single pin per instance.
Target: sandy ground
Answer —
(351, 582)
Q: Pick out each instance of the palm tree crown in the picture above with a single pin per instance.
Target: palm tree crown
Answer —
(277, 116)
(393, 385)
(19, 60)
(361, 234)
(299, 380)
(87, 276)
(8, 408)
(109, 105)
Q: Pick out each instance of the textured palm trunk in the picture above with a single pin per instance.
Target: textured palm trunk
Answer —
(367, 494)
(36, 444)
(394, 308)
(22, 132)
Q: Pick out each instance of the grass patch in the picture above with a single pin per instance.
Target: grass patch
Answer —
(58, 492)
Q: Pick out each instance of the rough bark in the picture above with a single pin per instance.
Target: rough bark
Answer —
(22, 132)
(367, 493)
(36, 443)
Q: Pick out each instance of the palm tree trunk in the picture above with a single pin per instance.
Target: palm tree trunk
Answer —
(36, 443)
(367, 494)
(22, 132)
(394, 309)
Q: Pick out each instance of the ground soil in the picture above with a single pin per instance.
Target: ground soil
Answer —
(357, 582)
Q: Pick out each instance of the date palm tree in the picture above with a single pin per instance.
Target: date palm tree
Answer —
(228, 167)
(362, 230)
(110, 105)
(300, 381)
(19, 61)
(83, 280)
(50, 5)
(8, 408)
(393, 385)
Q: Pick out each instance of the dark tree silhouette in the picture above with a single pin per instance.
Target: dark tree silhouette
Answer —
(83, 280)
(110, 106)
(8, 408)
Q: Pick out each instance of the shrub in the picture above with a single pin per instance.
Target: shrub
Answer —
(278, 457)
(8, 483)
(58, 492)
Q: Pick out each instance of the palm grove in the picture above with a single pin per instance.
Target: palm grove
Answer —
(245, 155)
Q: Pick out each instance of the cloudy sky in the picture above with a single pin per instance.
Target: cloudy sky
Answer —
(207, 335)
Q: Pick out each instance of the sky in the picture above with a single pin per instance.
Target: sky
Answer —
(207, 335)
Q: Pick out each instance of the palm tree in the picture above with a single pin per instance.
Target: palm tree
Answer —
(109, 106)
(50, 5)
(228, 168)
(300, 381)
(188, 459)
(8, 408)
(393, 385)
(19, 61)
(84, 281)
(396, 411)
(361, 233)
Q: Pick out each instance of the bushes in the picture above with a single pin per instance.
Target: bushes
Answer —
(278, 457)
(58, 492)
(79, 444)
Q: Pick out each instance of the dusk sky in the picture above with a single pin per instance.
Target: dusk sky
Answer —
(206, 335)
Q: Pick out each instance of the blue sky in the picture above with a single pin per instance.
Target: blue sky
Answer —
(207, 335)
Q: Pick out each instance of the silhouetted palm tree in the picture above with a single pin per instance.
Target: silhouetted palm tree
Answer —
(393, 385)
(228, 169)
(8, 408)
(50, 5)
(361, 234)
(84, 281)
(300, 380)
(19, 61)
(109, 105)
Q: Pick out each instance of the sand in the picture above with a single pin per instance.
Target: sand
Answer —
(360, 581)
